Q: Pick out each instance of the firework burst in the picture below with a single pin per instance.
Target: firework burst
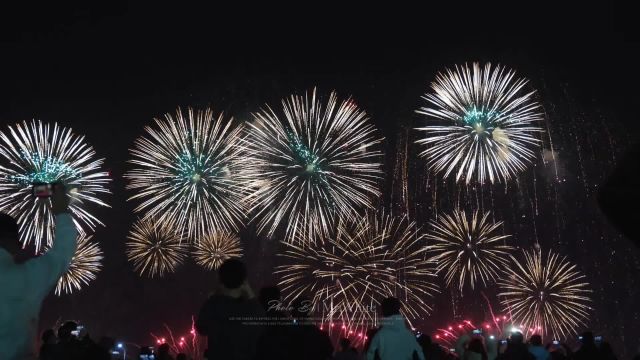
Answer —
(187, 172)
(358, 265)
(484, 124)
(32, 153)
(155, 248)
(467, 249)
(215, 248)
(85, 264)
(311, 164)
(546, 295)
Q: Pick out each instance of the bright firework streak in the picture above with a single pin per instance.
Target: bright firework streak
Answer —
(358, 265)
(485, 124)
(155, 248)
(39, 153)
(545, 294)
(187, 172)
(311, 164)
(85, 264)
(467, 249)
(215, 248)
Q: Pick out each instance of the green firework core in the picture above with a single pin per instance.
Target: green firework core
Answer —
(480, 122)
(44, 170)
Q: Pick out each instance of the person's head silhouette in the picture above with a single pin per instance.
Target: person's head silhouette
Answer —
(390, 306)
(535, 340)
(232, 274)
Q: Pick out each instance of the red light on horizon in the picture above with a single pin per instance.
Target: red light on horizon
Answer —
(437, 336)
(450, 328)
(488, 326)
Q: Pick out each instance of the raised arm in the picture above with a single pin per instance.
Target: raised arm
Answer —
(44, 271)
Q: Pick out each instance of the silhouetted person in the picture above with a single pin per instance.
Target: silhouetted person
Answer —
(69, 347)
(536, 348)
(371, 333)
(181, 356)
(163, 352)
(227, 317)
(479, 347)
(394, 340)
(475, 350)
(430, 350)
(102, 350)
(275, 342)
(307, 340)
(516, 349)
(606, 352)
(49, 341)
(25, 285)
(588, 350)
(346, 352)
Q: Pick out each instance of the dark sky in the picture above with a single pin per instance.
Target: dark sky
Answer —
(108, 70)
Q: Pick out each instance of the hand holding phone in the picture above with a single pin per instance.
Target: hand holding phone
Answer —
(42, 190)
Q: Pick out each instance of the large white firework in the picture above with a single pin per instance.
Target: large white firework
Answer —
(155, 248)
(311, 163)
(545, 295)
(187, 171)
(85, 264)
(468, 249)
(482, 124)
(36, 152)
(360, 263)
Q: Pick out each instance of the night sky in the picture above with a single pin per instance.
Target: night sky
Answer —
(106, 71)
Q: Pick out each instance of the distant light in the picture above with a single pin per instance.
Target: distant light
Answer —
(360, 335)
(159, 342)
(488, 326)
(193, 332)
(492, 337)
(164, 340)
(182, 338)
(459, 326)
(450, 328)
(515, 329)
(437, 336)
(332, 324)
(350, 332)
(504, 318)
(120, 345)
